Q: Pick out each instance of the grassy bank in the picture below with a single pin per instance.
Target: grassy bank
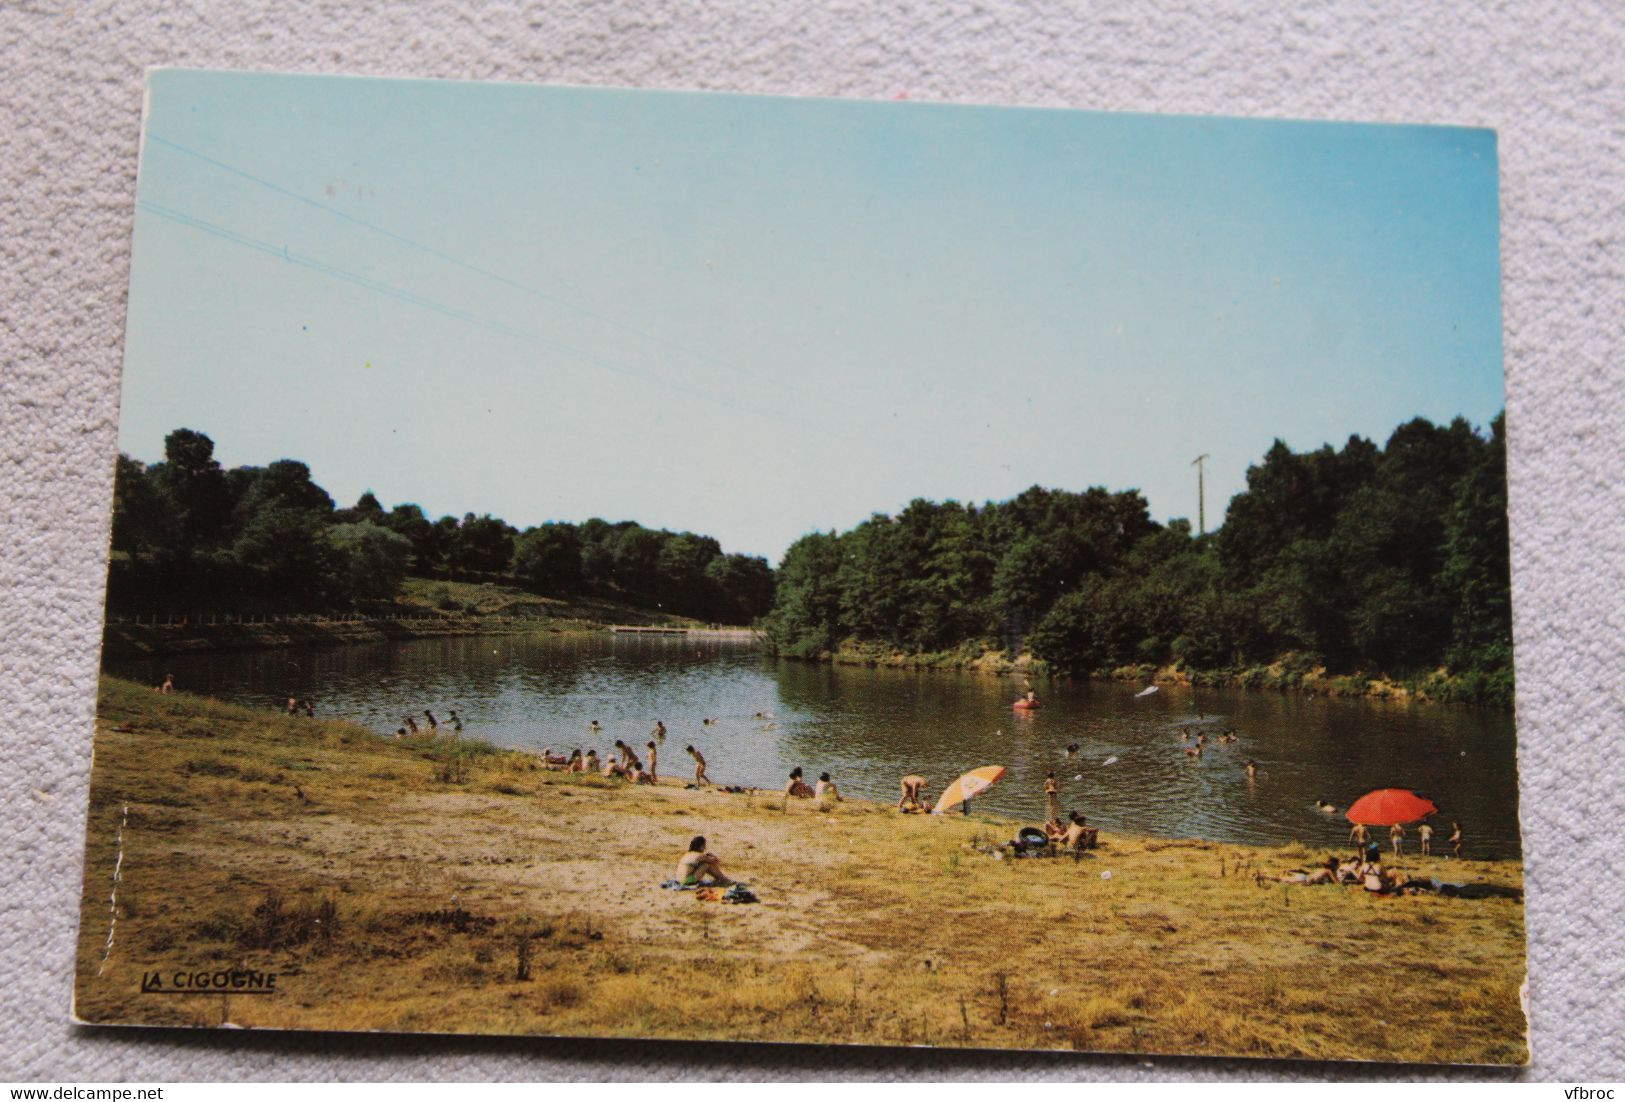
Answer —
(1289, 674)
(436, 608)
(452, 887)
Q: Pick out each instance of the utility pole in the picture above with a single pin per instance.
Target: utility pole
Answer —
(1201, 495)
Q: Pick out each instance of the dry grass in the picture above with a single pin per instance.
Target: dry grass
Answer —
(518, 900)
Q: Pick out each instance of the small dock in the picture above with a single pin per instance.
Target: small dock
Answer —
(742, 634)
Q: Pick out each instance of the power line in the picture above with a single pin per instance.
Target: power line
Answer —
(410, 298)
(498, 277)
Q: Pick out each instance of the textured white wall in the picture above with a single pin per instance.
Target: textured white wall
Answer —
(1547, 74)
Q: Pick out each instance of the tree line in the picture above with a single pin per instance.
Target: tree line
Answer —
(1388, 560)
(190, 535)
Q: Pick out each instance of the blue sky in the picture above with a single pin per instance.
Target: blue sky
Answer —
(756, 317)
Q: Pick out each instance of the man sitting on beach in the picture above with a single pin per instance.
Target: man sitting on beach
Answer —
(826, 789)
(797, 787)
(1078, 834)
(695, 866)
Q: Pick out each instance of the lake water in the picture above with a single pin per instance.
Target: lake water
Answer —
(868, 727)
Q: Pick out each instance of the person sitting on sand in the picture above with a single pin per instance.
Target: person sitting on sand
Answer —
(613, 768)
(1424, 836)
(400, 732)
(573, 764)
(169, 684)
(654, 753)
(551, 760)
(1396, 837)
(913, 787)
(797, 787)
(1078, 833)
(589, 764)
(699, 867)
(1372, 874)
(1054, 831)
(826, 787)
(699, 766)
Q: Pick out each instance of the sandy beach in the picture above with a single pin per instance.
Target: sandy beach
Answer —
(447, 886)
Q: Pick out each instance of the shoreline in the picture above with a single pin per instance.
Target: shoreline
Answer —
(1283, 676)
(437, 885)
(127, 641)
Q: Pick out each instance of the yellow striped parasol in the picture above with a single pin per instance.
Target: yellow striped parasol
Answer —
(971, 784)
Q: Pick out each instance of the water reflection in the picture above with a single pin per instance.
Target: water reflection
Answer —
(868, 727)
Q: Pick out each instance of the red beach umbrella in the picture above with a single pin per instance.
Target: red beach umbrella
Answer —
(1387, 806)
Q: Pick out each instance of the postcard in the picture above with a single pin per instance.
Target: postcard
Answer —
(604, 563)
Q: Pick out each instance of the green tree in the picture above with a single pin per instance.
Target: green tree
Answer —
(369, 561)
(195, 486)
(805, 620)
(482, 544)
(548, 559)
